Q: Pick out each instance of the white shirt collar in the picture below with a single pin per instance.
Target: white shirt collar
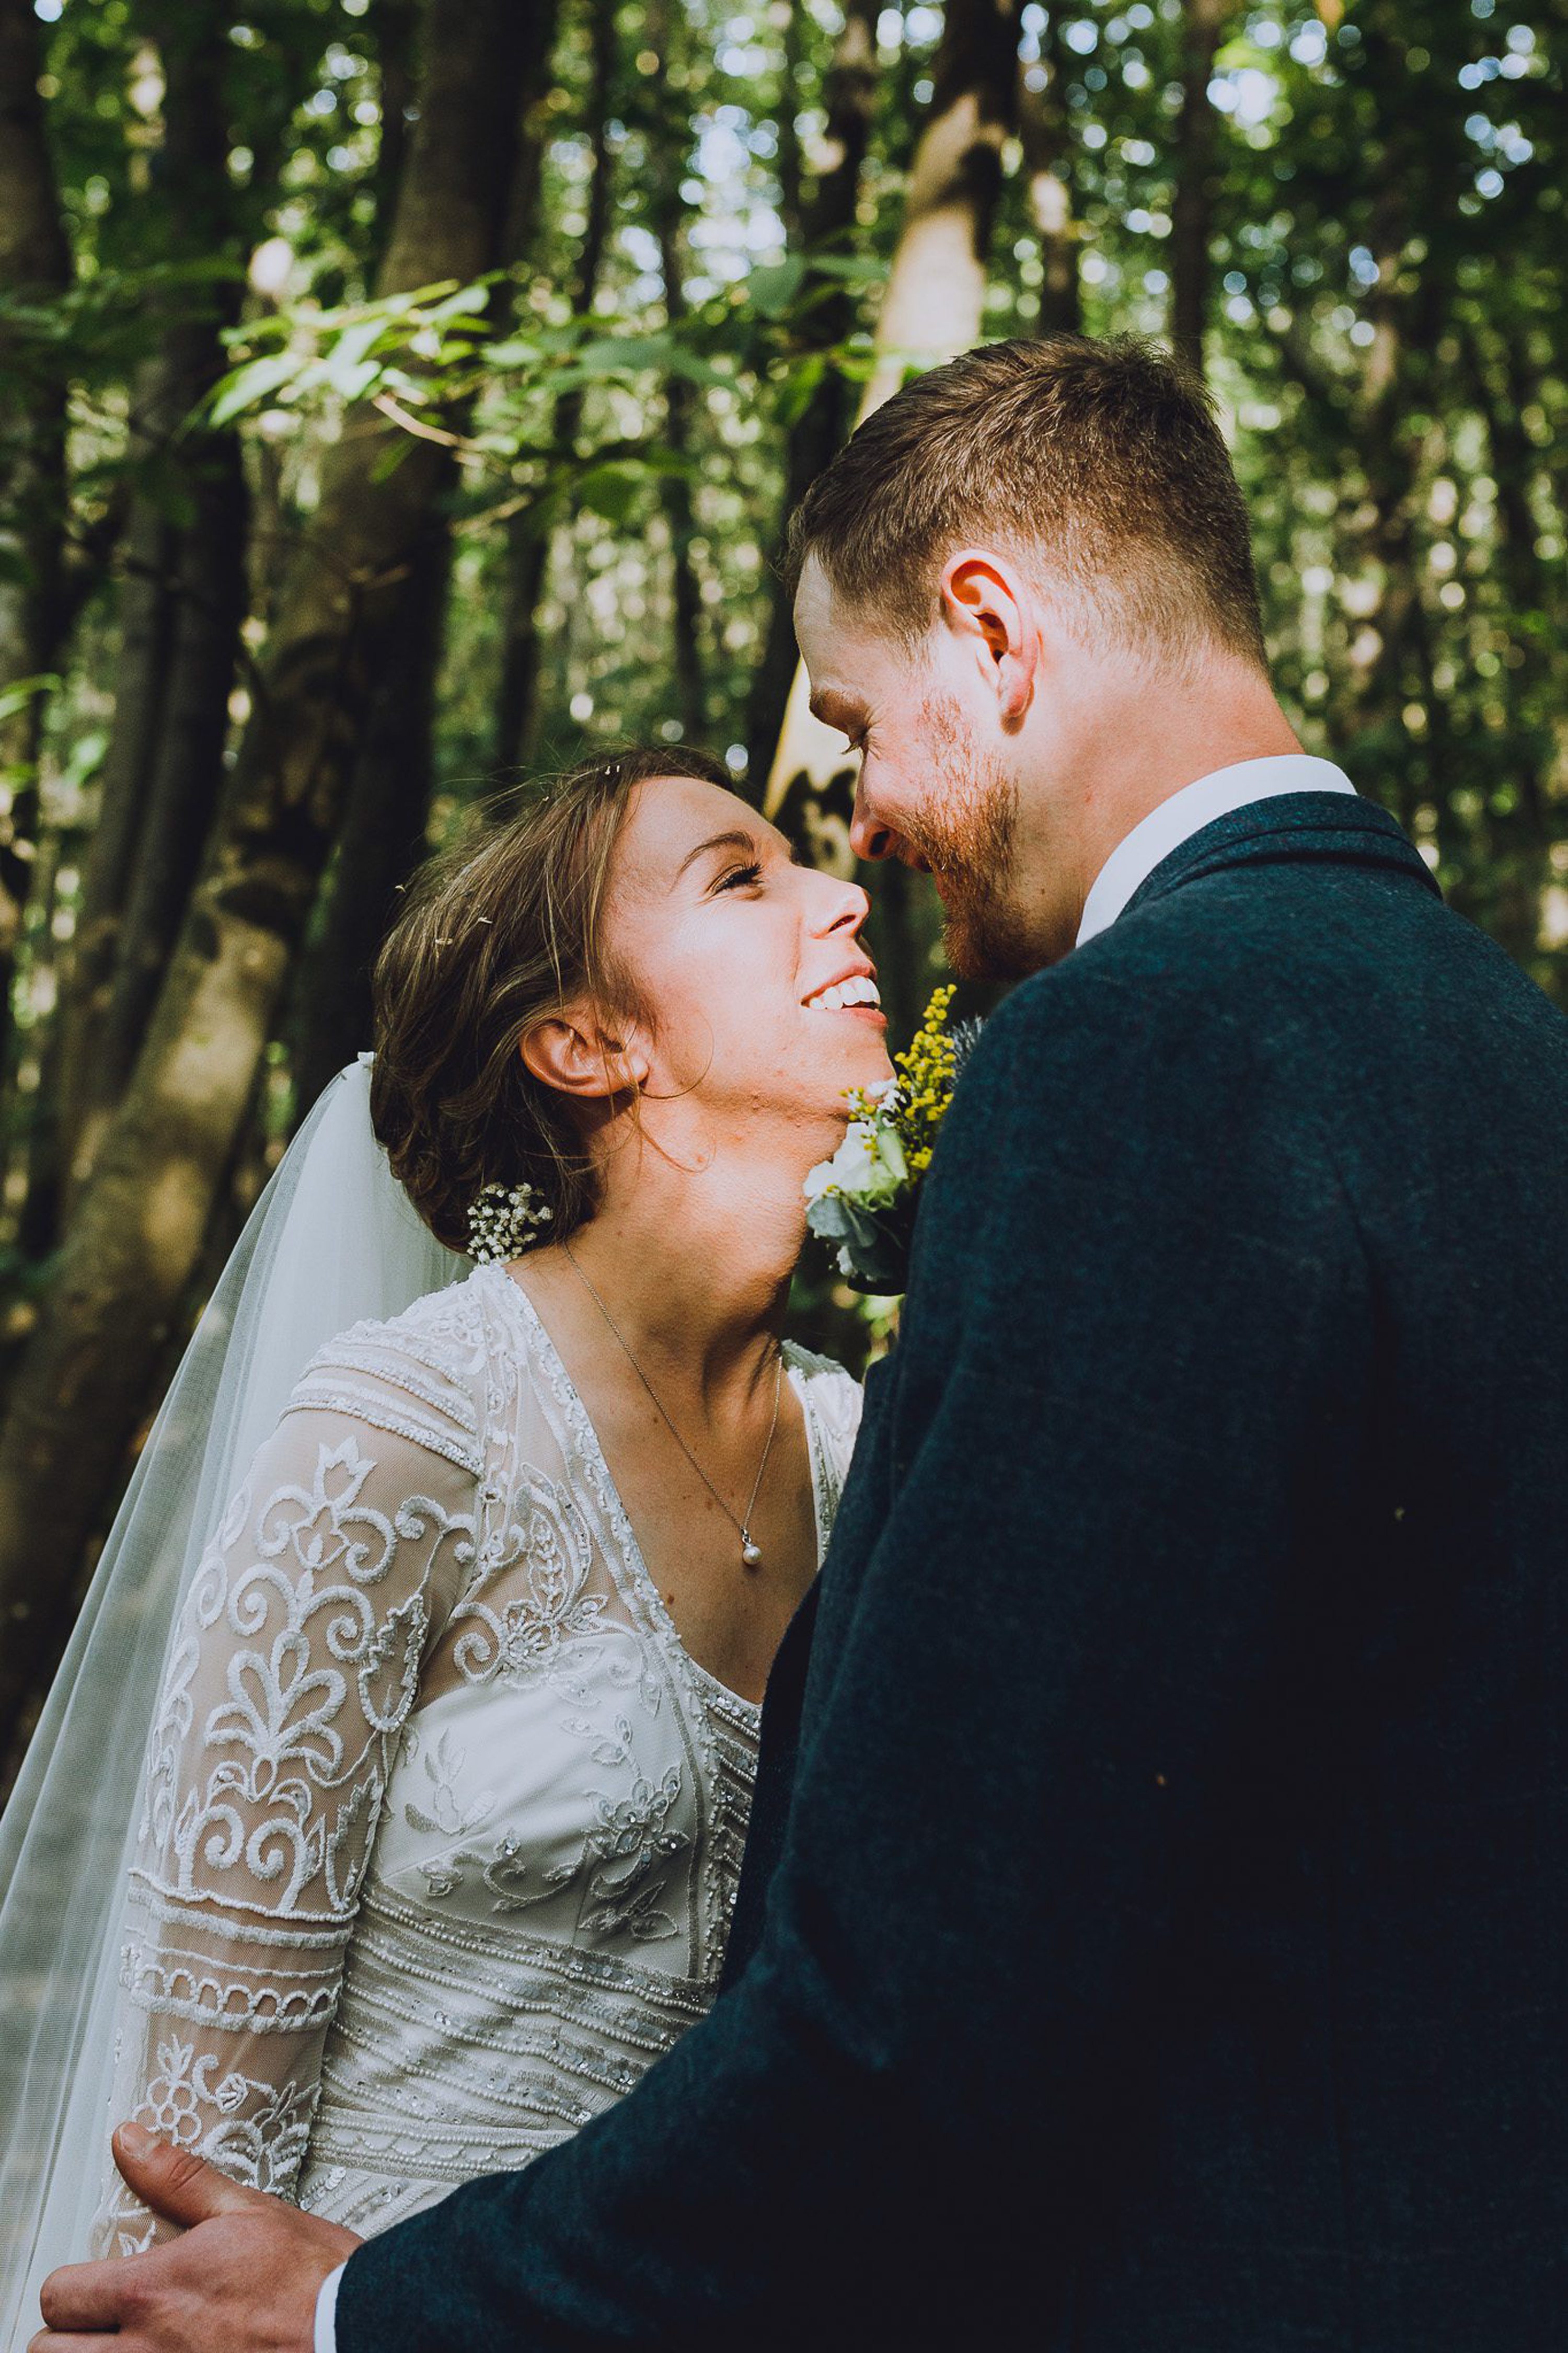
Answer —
(1186, 812)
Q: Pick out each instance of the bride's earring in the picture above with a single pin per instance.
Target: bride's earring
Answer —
(503, 1221)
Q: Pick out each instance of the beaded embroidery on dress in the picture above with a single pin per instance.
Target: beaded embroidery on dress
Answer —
(441, 1824)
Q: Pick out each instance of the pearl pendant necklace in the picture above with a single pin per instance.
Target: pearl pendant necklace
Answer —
(750, 1551)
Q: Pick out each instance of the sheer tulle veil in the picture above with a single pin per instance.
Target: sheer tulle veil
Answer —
(332, 1239)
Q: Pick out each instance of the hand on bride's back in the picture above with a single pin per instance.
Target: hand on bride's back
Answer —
(244, 2274)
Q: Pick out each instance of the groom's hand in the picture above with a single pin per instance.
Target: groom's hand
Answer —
(243, 2277)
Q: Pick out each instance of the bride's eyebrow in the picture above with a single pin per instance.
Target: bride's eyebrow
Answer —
(736, 839)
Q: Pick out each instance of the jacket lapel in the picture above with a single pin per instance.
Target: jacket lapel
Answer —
(1320, 826)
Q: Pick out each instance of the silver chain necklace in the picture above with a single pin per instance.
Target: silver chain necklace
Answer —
(750, 1552)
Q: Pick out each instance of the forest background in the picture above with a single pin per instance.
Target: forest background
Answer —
(402, 396)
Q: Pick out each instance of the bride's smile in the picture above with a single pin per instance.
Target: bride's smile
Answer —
(727, 940)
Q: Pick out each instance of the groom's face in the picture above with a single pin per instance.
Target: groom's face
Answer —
(932, 791)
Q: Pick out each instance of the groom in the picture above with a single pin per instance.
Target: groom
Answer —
(1154, 1935)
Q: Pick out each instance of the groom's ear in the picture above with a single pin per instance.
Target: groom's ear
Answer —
(984, 598)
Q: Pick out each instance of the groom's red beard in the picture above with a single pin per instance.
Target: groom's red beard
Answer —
(967, 831)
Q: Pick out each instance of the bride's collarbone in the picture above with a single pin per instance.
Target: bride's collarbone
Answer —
(730, 1615)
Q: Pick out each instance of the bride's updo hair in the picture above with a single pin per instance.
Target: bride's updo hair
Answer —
(493, 936)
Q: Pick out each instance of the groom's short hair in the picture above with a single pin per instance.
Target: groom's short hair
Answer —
(1104, 458)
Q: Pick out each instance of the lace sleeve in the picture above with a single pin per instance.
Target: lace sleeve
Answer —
(292, 1672)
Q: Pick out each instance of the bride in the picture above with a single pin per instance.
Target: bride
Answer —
(433, 1848)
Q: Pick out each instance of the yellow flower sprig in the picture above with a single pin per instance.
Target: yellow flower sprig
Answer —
(927, 1070)
(863, 1198)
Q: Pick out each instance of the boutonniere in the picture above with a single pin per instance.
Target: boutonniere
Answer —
(864, 1198)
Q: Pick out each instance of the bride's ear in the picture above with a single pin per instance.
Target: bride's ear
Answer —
(576, 1054)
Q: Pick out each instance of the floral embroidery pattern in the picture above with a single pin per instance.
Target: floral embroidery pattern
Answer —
(440, 1825)
(631, 1836)
(550, 1547)
(255, 2132)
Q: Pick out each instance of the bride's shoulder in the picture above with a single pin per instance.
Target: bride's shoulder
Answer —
(420, 1372)
(443, 1328)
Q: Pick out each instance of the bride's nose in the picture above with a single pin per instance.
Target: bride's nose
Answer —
(845, 907)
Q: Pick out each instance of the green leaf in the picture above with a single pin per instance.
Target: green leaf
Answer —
(355, 343)
(352, 383)
(850, 269)
(467, 303)
(610, 490)
(85, 758)
(613, 356)
(394, 449)
(17, 696)
(250, 385)
(695, 371)
(625, 354)
(514, 352)
(669, 462)
(800, 388)
(772, 290)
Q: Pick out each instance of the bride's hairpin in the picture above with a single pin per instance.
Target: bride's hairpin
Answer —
(503, 1221)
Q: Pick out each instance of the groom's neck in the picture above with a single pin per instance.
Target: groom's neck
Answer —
(1165, 735)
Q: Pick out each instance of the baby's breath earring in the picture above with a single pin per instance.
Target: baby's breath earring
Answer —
(503, 1221)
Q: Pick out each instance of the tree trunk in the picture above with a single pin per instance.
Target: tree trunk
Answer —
(686, 591)
(932, 308)
(1045, 130)
(526, 562)
(394, 32)
(1192, 205)
(383, 834)
(1384, 417)
(826, 223)
(1389, 656)
(182, 606)
(1404, 310)
(524, 567)
(35, 266)
(137, 1237)
(208, 597)
(35, 1171)
(146, 629)
(667, 140)
(1401, 739)
(1502, 385)
(1521, 837)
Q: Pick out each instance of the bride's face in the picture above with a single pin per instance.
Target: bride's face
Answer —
(761, 995)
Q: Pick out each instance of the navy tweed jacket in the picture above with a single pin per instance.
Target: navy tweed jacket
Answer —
(1154, 1932)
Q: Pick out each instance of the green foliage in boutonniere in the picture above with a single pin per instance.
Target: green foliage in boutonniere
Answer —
(864, 1198)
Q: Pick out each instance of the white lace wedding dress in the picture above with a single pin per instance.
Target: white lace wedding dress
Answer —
(442, 1825)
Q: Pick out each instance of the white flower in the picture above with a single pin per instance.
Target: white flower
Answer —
(502, 1221)
(854, 1165)
(818, 1179)
(890, 1158)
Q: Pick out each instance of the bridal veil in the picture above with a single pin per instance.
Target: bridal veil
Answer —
(332, 1239)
